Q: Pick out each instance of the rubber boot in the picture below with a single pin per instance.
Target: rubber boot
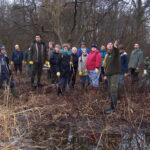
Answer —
(13, 91)
(111, 109)
(59, 92)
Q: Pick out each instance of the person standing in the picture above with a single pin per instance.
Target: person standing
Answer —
(63, 69)
(5, 73)
(135, 62)
(50, 51)
(83, 47)
(93, 66)
(26, 61)
(53, 60)
(74, 67)
(103, 53)
(112, 74)
(37, 58)
(17, 59)
(83, 73)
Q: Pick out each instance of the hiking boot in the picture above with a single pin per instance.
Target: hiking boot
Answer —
(13, 91)
(59, 92)
(109, 110)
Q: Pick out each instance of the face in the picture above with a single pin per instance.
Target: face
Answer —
(17, 47)
(84, 53)
(57, 48)
(3, 51)
(93, 49)
(136, 46)
(50, 45)
(74, 51)
(83, 46)
(109, 46)
(38, 38)
(65, 48)
(103, 47)
(121, 50)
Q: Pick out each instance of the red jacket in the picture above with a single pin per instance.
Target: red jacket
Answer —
(93, 60)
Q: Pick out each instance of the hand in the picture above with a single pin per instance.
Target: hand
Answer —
(116, 44)
(47, 62)
(145, 72)
(58, 74)
(105, 78)
(11, 62)
(31, 62)
(80, 73)
(97, 71)
(86, 70)
(71, 63)
(125, 75)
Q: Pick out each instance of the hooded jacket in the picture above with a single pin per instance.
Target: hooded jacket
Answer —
(17, 56)
(136, 59)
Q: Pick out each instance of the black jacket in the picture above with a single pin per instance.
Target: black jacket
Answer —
(74, 59)
(53, 60)
(38, 52)
(63, 65)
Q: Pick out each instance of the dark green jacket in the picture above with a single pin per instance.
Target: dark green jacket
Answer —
(113, 62)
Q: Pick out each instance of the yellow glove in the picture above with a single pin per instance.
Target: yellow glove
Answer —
(125, 75)
(71, 63)
(31, 62)
(97, 71)
(11, 62)
(47, 62)
(58, 74)
(80, 73)
(49, 65)
(86, 70)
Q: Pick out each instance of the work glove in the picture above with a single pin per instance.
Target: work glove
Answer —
(97, 71)
(145, 72)
(80, 73)
(47, 63)
(31, 62)
(71, 63)
(125, 75)
(11, 62)
(86, 70)
(137, 70)
(58, 74)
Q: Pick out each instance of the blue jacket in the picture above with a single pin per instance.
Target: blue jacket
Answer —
(124, 62)
(80, 51)
(17, 57)
(103, 53)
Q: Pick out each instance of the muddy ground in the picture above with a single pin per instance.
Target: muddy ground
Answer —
(40, 116)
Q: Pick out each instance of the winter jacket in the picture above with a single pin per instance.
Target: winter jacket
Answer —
(80, 51)
(103, 53)
(38, 52)
(74, 59)
(136, 59)
(124, 63)
(82, 64)
(17, 57)
(94, 60)
(4, 65)
(49, 52)
(113, 64)
(53, 60)
(26, 56)
(63, 64)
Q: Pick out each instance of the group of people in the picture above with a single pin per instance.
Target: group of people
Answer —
(109, 65)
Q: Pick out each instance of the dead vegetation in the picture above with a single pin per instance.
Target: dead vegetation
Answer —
(42, 120)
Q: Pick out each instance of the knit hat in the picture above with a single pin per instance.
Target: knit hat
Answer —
(2, 47)
(83, 43)
(94, 45)
(110, 41)
(65, 45)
